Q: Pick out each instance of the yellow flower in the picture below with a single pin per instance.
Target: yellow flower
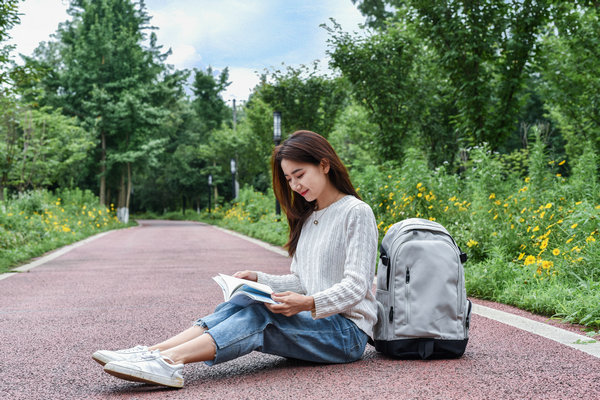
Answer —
(527, 179)
(544, 244)
(537, 228)
(547, 264)
(472, 243)
(562, 162)
(529, 260)
(549, 205)
(578, 203)
(558, 175)
(590, 239)
(574, 226)
(419, 185)
(495, 216)
(521, 256)
(492, 196)
(556, 252)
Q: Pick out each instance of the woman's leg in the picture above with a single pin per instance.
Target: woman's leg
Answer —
(221, 313)
(334, 339)
(183, 337)
(201, 348)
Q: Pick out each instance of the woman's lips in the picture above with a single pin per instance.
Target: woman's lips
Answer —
(304, 193)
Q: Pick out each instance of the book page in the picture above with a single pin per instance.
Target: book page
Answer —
(233, 284)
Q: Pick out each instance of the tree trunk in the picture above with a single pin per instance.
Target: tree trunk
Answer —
(122, 210)
(103, 170)
(216, 191)
(122, 195)
(128, 196)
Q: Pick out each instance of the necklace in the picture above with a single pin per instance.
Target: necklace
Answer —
(317, 218)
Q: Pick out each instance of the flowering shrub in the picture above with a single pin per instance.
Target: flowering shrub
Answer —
(35, 222)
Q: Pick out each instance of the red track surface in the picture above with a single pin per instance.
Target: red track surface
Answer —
(141, 285)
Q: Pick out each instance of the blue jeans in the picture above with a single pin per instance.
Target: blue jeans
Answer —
(240, 330)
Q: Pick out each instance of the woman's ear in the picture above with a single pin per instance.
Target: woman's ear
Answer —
(325, 165)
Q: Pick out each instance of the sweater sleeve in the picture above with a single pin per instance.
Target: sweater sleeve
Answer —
(283, 283)
(359, 265)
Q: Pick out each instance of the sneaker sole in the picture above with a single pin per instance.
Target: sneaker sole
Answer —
(101, 359)
(135, 375)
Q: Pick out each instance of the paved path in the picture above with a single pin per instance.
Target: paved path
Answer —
(142, 284)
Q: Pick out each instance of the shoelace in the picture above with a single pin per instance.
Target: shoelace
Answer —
(135, 349)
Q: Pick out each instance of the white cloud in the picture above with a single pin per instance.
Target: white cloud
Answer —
(243, 81)
(39, 19)
(183, 55)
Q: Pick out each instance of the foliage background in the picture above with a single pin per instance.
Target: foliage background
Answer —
(481, 115)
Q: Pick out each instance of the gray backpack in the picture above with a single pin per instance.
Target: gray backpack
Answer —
(423, 311)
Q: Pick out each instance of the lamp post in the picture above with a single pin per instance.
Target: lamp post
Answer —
(277, 140)
(209, 190)
(233, 170)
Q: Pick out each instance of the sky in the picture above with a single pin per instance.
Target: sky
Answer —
(248, 36)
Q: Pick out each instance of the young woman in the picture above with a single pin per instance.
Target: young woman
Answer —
(326, 308)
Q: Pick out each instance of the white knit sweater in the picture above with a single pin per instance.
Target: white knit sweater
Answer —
(335, 263)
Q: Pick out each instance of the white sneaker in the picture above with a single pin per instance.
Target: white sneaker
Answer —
(148, 368)
(105, 356)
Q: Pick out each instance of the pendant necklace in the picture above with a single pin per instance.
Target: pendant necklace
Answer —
(316, 221)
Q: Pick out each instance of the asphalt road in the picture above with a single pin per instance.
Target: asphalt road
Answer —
(143, 284)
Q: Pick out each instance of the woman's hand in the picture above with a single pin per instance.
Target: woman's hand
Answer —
(249, 275)
(291, 303)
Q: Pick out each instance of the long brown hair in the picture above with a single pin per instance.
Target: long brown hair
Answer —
(312, 148)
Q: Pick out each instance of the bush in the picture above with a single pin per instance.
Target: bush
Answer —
(35, 222)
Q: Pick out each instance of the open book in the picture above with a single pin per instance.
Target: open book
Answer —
(244, 292)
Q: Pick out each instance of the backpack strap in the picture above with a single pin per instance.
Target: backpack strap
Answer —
(385, 260)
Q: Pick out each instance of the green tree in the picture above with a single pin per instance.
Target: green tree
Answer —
(110, 80)
(50, 146)
(208, 104)
(484, 50)
(395, 77)
(570, 72)
(306, 99)
(9, 17)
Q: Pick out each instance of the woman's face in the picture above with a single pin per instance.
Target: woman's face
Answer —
(308, 180)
